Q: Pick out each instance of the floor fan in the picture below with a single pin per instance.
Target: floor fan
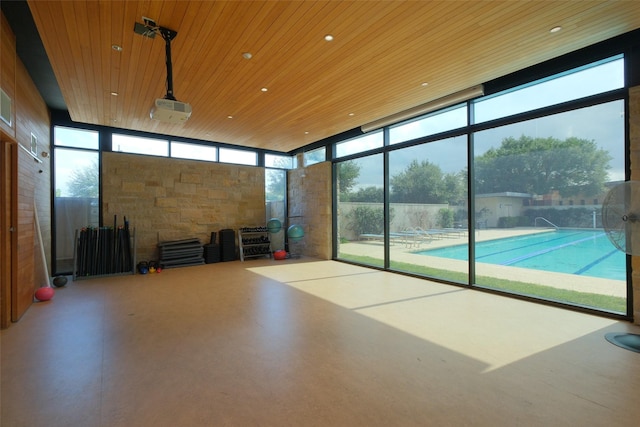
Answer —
(621, 222)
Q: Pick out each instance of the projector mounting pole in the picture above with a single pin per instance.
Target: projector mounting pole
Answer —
(167, 109)
(168, 35)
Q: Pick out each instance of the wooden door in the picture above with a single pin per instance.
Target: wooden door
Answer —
(8, 235)
(24, 250)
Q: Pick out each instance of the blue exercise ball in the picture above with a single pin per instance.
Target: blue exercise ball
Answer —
(295, 233)
(274, 225)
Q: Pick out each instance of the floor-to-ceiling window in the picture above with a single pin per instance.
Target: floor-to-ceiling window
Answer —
(502, 192)
(361, 210)
(275, 176)
(360, 197)
(428, 196)
(539, 187)
(76, 190)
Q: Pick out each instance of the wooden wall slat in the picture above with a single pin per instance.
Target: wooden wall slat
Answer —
(381, 53)
(8, 72)
(32, 180)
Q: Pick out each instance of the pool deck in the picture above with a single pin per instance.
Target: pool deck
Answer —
(402, 250)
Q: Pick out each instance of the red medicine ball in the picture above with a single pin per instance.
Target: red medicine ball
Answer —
(45, 294)
(280, 254)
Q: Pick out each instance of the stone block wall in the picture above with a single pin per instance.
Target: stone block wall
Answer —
(634, 157)
(310, 205)
(171, 199)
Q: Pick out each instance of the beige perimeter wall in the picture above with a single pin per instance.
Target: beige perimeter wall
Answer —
(310, 205)
(171, 199)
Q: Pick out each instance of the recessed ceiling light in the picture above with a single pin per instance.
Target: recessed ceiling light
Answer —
(114, 93)
(352, 114)
(264, 89)
(229, 117)
(247, 55)
(424, 84)
(116, 47)
(555, 29)
(328, 37)
(306, 132)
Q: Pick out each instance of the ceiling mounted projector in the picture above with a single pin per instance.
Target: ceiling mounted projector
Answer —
(170, 111)
(167, 109)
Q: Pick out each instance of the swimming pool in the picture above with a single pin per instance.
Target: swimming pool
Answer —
(581, 252)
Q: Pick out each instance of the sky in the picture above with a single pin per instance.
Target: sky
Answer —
(69, 159)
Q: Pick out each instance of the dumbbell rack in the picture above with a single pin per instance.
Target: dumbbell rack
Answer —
(254, 242)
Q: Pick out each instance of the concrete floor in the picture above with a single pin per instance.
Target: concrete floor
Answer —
(308, 342)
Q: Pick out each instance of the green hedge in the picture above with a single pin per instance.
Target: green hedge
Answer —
(367, 220)
(571, 217)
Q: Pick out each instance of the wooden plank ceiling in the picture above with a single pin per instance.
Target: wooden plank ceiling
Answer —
(382, 53)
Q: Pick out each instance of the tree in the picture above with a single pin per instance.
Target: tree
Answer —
(445, 217)
(370, 194)
(424, 182)
(539, 165)
(276, 180)
(455, 188)
(84, 182)
(367, 220)
(348, 173)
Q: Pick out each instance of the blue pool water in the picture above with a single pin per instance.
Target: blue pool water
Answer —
(581, 252)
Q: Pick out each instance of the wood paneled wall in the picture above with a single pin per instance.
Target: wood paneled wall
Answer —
(7, 154)
(32, 116)
(7, 70)
(33, 177)
(34, 190)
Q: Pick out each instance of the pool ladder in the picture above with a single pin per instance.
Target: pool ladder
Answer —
(535, 222)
